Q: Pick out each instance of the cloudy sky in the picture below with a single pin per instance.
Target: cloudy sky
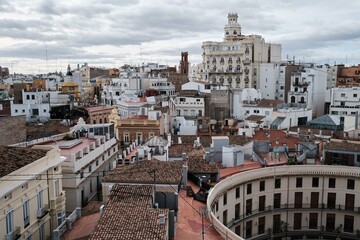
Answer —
(45, 35)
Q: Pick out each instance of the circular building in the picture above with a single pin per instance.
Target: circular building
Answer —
(288, 202)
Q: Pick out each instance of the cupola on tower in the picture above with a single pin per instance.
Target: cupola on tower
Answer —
(232, 31)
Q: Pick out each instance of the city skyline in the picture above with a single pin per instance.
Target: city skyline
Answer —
(42, 36)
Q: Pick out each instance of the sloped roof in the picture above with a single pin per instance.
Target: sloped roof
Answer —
(14, 158)
(328, 119)
(127, 215)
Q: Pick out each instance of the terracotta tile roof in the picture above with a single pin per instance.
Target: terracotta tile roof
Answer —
(127, 215)
(99, 108)
(343, 146)
(14, 158)
(143, 172)
(188, 139)
(273, 135)
(255, 118)
(266, 103)
(238, 140)
(176, 150)
(199, 165)
(205, 141)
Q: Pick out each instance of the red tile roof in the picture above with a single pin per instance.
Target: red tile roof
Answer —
(127, 215)
(276, 135)
(166, 172)
(14, 158)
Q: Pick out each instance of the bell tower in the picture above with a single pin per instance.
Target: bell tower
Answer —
(232, 30)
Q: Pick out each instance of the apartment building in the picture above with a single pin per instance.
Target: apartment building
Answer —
(308, 85)
(235, 61)
(307, 202)
(91, 150)
(154, 122)
(344, 101)
(32, 200)
(348, 76)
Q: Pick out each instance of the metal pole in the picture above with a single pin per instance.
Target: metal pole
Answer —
(202, 225)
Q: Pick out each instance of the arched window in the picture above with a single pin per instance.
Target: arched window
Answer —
(293, 99)
(235, 32)
(302, 99)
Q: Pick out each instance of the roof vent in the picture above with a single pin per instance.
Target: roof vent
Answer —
(161, 219)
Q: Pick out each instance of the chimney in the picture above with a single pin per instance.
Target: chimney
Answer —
(179, 140)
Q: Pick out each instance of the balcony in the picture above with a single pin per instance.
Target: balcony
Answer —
(14, 235)
(300, 84)
(247, 62)
(42, 211)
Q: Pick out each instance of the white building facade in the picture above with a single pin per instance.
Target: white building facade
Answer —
(235, 61)
(308, 85)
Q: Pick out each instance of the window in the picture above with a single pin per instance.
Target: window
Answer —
(225, 199)
(349, 202)
(40, 199)
(261, 225)
(297, 221)
(237, 230)
(248, 188)
(33, 97)
(97, 162)
(225, 217)
(237, 211)
(330, 222)
(27, 97)
(348, 223)
(314, 200)
(262, 203)
(332, 182)
(60, 217)
(343, 95)
(90, 168)
(42, 231)
(299, 182)
(81, 175)
(56, 187)
(331, 200)
(126, 137)
(351, 184)
(16, 110)
(262, 186)
(237, 192)
(298, 199)
(248, 229)
(278, 183)
(26, 213)
(9, 221)
(354, 95)
(91, 188)
(248, 206)
(44, 110)
(276, 223)
(313, 219)
(315, 182)
(277, 200)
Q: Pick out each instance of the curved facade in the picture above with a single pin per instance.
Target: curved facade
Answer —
(288, 202)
